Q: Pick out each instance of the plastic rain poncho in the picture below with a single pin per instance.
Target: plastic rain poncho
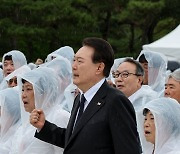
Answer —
(70, 94)
(166, 112)
(18, 59)
(66, 52)
(46, 96)
(19, 71)
(141, 97)
(157, 65)
(139, 100)
(10, 116)
(63, 69)
(32, 66)
(1, 75)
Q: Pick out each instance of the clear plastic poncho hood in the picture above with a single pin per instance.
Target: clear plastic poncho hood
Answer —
(10, 112)
(45, 85)
(19, 71)
(157, 65)
(66, 52)
(46, 96)
(63, 69)
(18, 58)
(166, 112)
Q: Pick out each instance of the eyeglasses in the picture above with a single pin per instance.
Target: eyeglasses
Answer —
(123, 74)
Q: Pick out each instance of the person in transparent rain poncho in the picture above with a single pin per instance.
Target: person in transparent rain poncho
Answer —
(1, 75)
(39, 89)
(11, 79)
(10, 116)
(155, 65)
(18, 59)
(66, 52)
(63, 69)
(1, 79)
(11, 61)
(161, 127)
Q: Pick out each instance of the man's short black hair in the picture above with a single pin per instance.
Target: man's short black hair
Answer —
(142, 59)
(8, 57)
(103, 52)
(139, 68)
(145, 111)
(24, 81)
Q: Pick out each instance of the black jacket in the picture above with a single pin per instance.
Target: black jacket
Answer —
(107, 126)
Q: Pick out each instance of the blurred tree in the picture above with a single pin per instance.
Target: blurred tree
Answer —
(38, 27)
(141, 18)
(145, 16)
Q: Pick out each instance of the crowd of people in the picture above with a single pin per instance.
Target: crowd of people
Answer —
(89, 103)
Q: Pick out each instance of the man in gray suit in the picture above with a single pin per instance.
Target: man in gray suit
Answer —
(104, 123)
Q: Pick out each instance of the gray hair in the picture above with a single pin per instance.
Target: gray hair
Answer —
(175, 75)
(139, 68)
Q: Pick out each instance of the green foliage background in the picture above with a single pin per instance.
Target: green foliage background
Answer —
(38, 27)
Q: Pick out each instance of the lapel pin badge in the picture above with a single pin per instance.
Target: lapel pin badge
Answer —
(98, 103)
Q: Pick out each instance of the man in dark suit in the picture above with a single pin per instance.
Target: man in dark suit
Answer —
(108, 123)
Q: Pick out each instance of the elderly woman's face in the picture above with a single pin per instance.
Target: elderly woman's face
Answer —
(28, 97)
(149, 127)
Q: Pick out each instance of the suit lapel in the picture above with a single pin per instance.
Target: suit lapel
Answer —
(72, 119)
(96, 103)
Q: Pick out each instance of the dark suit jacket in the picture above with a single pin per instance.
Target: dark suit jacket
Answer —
(107, 126)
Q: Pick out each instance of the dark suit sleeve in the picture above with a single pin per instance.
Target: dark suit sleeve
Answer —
(123, 126)
(52, 134)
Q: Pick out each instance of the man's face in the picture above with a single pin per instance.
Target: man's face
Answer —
(28, 97)
(149, 128)
(145, 67)
(8, 67)
(127, 84)
(172, 89)
(84, 70)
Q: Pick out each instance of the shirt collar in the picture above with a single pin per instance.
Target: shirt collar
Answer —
(93, 90)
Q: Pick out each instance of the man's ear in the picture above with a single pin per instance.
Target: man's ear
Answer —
(100, 68)
(140, 78)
